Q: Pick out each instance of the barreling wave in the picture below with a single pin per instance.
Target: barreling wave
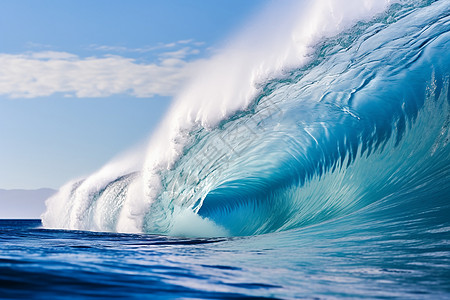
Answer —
(348, 109)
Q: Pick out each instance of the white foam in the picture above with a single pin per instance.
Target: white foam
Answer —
(188, 224)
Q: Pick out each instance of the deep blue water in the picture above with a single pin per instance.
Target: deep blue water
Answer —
(406, 256)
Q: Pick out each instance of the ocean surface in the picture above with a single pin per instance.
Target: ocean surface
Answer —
(404, 256)
(310, 159)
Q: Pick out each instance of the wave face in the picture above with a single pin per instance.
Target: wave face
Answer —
(348, 113)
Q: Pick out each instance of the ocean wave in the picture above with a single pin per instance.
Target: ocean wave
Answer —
(349, 111)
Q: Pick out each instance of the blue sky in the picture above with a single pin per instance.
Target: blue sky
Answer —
(83, 81)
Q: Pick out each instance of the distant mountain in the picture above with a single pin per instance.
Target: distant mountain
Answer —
(23, 204)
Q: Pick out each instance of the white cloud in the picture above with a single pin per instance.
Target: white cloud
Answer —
(181, 53)
(52, 55)
(145, 49)
(45, 73)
